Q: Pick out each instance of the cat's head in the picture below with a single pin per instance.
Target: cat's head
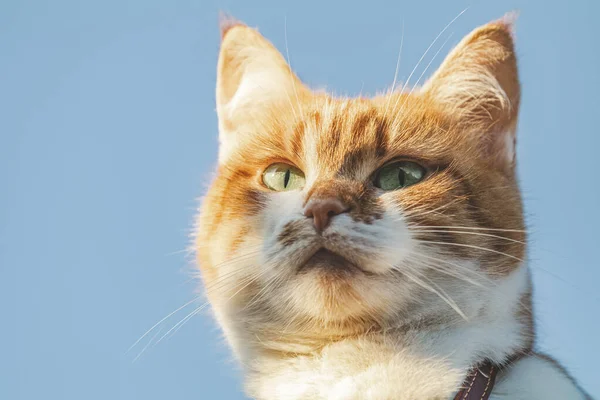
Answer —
(340, 214)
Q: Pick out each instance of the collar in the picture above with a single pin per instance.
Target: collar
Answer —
(479, 383)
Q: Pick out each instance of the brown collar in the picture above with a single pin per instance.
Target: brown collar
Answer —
(479, 383)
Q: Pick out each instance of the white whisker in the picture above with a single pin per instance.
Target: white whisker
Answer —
(415, 210)
(148, 344)
(161, 321)
(427, 67)
(468, 233)
(287, 52)
(427, 51)
(449, 272)
(415, 227)
(183, 321)
(472, 247)
(440, 292)
(387, 103)
(199, 309)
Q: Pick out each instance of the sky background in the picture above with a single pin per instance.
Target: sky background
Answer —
(108, 135)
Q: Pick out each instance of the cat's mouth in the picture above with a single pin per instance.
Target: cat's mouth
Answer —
(329, 262)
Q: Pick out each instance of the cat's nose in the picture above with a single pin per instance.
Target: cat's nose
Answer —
(322, 210)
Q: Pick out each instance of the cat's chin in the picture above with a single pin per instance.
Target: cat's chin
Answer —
(324, 261)
(337, 289)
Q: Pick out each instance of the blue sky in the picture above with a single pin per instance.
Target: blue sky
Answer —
(108, 135)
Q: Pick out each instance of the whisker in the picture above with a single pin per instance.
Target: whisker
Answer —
(492, 284)
(472, 247)
(449, 272)
(161, 321)
(387, 103)
(484, 277)
(413, 210)
(213, 286)
(414, 256)
(469, 233)
(174, 253)
(427, 67)
(427, 51)
(204, 305)
(225, 281)
(255, 249)
(147, 344)
(183, 321)
(287, 52)
(258, 296)
(415, 227)
(440, 293)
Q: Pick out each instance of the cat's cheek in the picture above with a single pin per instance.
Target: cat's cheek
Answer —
(281, 208)
(393, 242)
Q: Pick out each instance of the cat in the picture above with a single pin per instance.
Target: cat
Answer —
(373, 248)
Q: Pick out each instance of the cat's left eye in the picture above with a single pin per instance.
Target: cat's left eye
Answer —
(399, 175)
(281, 177)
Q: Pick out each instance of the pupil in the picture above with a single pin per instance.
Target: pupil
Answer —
(401, 176)
(286, 179)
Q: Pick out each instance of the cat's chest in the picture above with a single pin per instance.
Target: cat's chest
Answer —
(354, 371)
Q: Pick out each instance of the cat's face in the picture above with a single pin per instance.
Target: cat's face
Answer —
(350, 212)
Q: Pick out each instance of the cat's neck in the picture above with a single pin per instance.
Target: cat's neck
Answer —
(432, 355)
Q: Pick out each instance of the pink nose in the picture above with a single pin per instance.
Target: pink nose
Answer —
(322, 210)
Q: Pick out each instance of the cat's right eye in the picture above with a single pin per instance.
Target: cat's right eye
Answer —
(282, 177)
(398, 175)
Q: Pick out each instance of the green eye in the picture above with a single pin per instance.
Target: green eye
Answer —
(399, 175)
(281, 177)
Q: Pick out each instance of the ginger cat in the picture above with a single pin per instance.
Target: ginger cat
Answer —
(373, 248)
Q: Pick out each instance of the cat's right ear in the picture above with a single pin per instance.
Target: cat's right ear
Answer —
(478, 84)
(252, 79)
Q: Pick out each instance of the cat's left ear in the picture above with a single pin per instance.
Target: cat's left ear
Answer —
(478, 84)
(253, 79)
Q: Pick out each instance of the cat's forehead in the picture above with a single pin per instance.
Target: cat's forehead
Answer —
(346, 136)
